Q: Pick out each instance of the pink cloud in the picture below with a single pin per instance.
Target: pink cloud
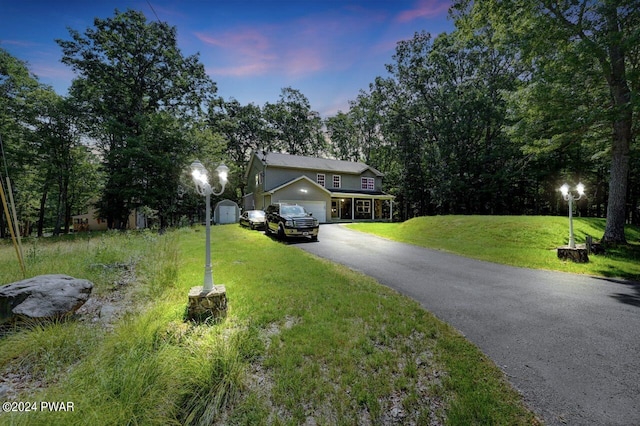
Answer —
(247, 42)
(303, 46)
(303, 61)
(20, 43)
(241, 70)
(424, 9)
(252, 52)
(246, 51)
(52, 71)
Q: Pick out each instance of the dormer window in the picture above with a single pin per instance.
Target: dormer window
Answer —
(368, 183)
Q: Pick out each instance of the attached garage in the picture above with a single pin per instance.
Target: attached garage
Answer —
(306, 193)
(317, 208)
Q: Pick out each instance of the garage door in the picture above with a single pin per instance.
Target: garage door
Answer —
(317, 208)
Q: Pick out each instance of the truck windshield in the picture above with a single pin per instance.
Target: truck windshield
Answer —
(292, 210)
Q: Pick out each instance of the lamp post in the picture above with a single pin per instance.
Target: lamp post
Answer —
(201, 180)
(568, 196)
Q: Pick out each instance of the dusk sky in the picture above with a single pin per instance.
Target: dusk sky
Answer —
(327, 49)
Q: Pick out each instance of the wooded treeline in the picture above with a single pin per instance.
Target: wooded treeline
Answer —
(489, 119)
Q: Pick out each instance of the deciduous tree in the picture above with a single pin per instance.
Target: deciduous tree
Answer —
(131, 77)
(597, 42)
(444, 111)
(295, 127)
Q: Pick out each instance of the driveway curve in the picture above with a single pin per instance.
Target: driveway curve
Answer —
(570, 344)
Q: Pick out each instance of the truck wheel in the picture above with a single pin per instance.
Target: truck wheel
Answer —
(281, 233)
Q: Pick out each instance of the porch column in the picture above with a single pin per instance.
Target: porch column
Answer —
(373, 209)
(353, 209)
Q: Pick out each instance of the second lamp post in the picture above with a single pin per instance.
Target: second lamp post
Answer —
(568, 196)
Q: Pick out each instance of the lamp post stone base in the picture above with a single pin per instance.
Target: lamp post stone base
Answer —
(578, 255)
(204, 305)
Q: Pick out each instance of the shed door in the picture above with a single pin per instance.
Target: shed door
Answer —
(227, 214)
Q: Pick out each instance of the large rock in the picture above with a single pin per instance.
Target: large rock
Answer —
(43, 297)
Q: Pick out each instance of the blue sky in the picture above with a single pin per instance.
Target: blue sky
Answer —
(327, 49)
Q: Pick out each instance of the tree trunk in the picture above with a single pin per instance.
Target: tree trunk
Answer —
(617, 208)
(59, 214)
(67, 217)
(621, 99)
(43, 201)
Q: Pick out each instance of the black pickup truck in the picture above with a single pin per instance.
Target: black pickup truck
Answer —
(290, 220)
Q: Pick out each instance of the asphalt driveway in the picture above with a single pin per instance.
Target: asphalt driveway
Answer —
(569, 343)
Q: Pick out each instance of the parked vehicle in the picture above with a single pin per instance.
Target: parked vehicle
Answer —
(253, 219)
(291, 220)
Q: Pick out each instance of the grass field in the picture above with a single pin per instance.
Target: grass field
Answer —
(527, 241)
(304, 341)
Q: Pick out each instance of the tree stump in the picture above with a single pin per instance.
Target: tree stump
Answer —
(578, 255)
(594, 247)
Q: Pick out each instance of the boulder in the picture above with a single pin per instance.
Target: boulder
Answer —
(43, 297)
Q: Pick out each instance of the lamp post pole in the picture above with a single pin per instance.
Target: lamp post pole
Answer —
(208, 270)
(199, 173)
(568, 196)
(572, 240)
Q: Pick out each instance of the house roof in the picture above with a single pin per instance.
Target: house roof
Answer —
(336, 191)
(292, 181)
(314, 163)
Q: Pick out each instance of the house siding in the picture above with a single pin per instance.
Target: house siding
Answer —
(254, 200)
(279, 176)
(302, 192)
(354, 181)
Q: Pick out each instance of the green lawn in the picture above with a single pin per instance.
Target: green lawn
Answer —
(303, 339)
(527, 241)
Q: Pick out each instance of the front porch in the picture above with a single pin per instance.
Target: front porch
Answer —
(359, 207)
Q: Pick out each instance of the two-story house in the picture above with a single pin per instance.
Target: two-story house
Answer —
(332, 190)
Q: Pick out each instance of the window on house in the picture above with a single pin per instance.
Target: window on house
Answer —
(320, 179)
(363, 207)
(337, 181)
(368, 183)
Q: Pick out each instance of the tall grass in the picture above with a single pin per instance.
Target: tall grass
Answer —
(304, 341)
(81, 255)
(46, 351)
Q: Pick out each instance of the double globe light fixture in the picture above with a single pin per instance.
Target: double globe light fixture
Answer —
(570, 197)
